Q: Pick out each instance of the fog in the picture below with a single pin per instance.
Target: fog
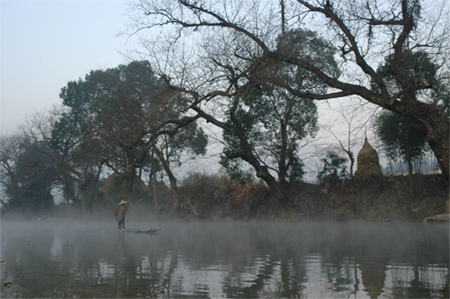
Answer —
(224, 259)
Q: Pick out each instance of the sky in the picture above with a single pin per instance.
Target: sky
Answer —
(45, 44)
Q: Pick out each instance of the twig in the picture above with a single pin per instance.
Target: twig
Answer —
(193, 209)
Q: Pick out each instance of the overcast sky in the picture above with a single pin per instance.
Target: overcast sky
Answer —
(45, 44)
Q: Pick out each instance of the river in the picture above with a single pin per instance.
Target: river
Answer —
(58, 259)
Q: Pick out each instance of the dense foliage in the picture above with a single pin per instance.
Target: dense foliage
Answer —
(120, 120)
(333, 168)
(401, 137)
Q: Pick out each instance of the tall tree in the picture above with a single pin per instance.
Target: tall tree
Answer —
(266, 123)
(28, 164)
(120, 112)
(34, 179)
(363, 31)
(10, 152)
(80, 157)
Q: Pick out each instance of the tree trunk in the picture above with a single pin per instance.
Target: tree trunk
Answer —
(263, 173)
(153, 180)
(173, 186)
(69, 194)
(130, 176)
(437, 125)
(283, 17)
(172, 178)
(408, 157)
(282, 167)
(438, 139)
(154, 191)
(352, 162)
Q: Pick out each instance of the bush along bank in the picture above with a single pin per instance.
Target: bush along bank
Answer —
(378, 199)
(219, 198)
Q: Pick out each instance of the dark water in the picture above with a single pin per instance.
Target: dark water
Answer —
(225, 260)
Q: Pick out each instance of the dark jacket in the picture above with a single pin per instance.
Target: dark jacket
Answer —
(120, 212)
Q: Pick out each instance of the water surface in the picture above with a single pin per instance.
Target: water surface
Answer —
(51, 259)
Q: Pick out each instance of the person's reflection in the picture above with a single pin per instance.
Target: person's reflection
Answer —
(124, 265)
(120, 248)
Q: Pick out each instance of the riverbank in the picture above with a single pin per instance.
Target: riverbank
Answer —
(389, 199)
(221, 199)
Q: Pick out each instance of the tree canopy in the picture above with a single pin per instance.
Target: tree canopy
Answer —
(363, 32)
(122, 112)
(266, 123)
(401, 136)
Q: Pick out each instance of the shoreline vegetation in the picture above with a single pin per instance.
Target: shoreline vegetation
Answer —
(219, 198)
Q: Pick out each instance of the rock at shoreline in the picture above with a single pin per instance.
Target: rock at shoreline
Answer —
(437, 218)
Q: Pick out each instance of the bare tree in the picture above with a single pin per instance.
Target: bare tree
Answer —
(364, 31)
(349, 126)
(28, 164)
(9, 154)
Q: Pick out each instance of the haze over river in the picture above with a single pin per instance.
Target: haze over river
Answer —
(56, 259)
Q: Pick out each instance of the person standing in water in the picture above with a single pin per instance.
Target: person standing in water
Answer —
(120, 212)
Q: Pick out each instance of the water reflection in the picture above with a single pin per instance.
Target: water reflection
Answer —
(232, 260)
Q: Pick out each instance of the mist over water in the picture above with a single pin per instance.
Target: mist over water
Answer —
(56, 259)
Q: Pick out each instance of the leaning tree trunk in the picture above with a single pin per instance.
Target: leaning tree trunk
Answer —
(263, 173)
(437, 125)
(174, 187)
(438, 139)
(408, 157)
(352, 162)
